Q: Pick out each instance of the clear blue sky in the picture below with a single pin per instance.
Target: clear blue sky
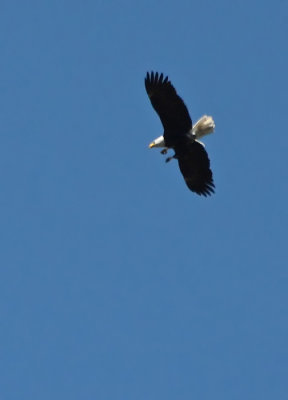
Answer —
(117, 282)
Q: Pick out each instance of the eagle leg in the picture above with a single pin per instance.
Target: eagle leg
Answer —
(170, 158)
(164, 151)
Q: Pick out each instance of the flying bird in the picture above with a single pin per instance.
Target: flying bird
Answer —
(180, 135)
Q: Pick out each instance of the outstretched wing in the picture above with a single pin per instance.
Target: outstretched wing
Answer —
(194, 164)
(168, 105)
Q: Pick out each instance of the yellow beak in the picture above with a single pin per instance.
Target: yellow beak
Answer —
(152, 144)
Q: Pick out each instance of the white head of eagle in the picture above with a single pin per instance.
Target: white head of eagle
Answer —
(180, 135)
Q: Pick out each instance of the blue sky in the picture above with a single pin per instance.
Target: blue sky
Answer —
(117, 282)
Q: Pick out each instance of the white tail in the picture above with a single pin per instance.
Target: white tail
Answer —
(203, 126)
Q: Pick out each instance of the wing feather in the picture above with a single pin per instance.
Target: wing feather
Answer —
(194, 165)
(169, 106)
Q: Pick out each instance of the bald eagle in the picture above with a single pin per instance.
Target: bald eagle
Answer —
(179, 134)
